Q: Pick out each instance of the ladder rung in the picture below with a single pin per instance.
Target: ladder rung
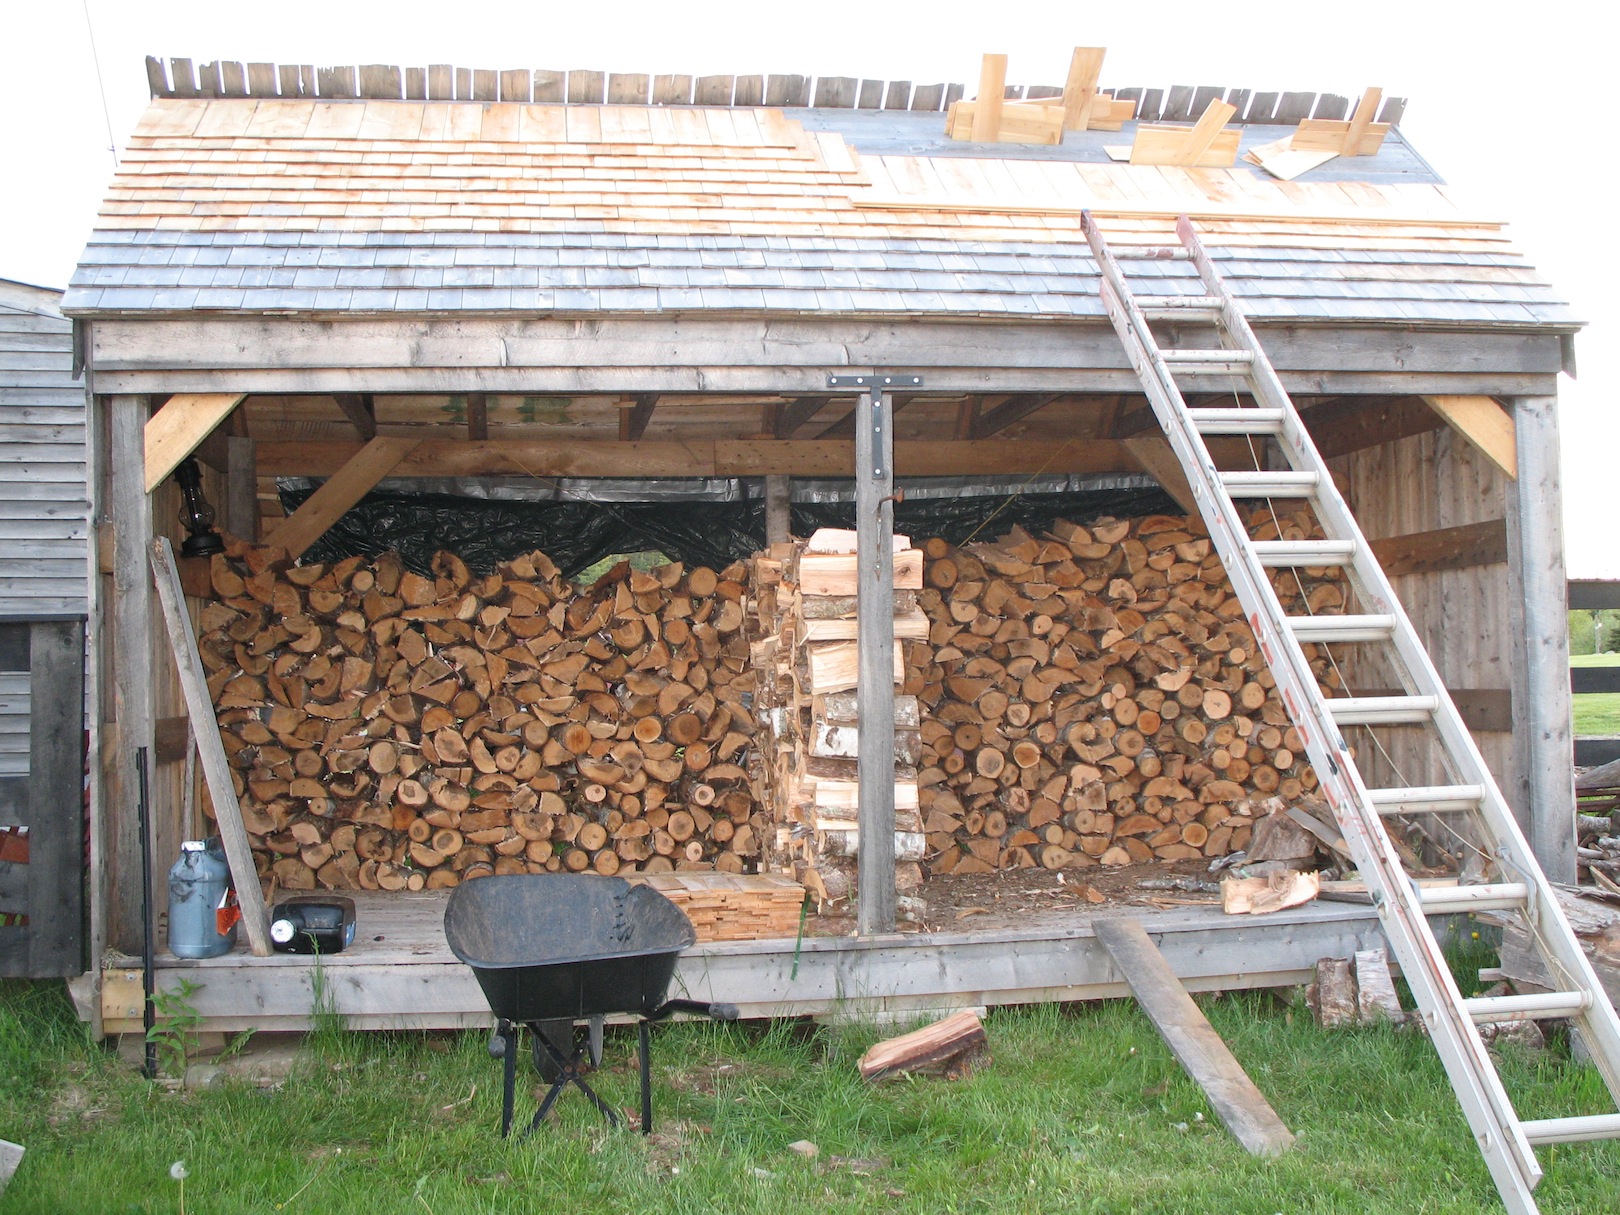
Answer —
(1571, 1130)
(1237, 421)
(1342, 628)
(1213, 357)
(1537, 1006)
(1503, 896)
(1432, 799)
(1303, 552)
(1382, 710)
(1179, 307)
(1270, 484)
(1145, 253)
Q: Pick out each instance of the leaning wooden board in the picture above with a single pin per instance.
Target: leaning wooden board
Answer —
(216, 768)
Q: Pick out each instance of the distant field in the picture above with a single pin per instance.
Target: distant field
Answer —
(1596, 712)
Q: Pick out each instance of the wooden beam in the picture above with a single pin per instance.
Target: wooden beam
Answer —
(361, 410)
(174, 431)
(1008, 410)
(241, 489)
(1483, 710)
(1192, 1039)
(342, 490)
(1349, 424)
(796, 413)
(477, 416)
(967, 417)
(1541, 678)
(714, 457)
(992, 91)
(1445, 548)
(1485, 424)
(1085, 68)
(634, 416)
(874, 693)
(210, 750)
(1153, 455)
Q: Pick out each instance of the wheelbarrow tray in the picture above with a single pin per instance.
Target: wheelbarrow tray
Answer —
(549, 947)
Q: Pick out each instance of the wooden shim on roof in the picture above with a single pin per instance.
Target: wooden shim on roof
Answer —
(210, 750)
(1191, 1038)
(342, 490)
(175, 431)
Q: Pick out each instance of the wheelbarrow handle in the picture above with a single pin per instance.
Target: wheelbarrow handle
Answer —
(718, 1012)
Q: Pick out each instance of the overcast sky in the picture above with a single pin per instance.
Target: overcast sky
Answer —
(1507, 102)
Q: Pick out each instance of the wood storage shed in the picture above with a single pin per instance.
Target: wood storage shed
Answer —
(373, 278)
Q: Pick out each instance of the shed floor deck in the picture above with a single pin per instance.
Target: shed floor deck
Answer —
(399, 974)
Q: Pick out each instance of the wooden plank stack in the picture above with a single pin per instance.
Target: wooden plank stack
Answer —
(1088, 697)
(390, 730)
(732, 906)
(804, 656)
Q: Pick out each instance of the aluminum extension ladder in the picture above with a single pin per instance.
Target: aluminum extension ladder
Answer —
(1505, 1140)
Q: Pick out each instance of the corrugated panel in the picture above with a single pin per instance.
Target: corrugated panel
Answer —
(13, 724)
(44, 500)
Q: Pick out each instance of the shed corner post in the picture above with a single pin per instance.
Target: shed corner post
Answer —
(1536, 558)
(133, 689)
(874, 697)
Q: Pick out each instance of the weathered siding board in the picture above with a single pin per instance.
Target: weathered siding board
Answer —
(1419, 484)
(44, 510)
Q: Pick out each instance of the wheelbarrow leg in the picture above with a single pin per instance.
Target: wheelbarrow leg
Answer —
(568, 1072)
(646, 1076)
(506, 1034)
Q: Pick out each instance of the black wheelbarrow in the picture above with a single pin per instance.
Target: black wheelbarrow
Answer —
(552, 950)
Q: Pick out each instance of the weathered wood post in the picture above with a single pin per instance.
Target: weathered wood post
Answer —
(778, 509)
(1541, 700)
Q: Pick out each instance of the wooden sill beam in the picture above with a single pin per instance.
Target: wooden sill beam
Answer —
(342, 490)
(361, 410)
(1485, 424)
(176, 430)
(710, 458)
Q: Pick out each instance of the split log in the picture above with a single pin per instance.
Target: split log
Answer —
(948, 1047)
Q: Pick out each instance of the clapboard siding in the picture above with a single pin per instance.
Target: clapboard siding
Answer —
(13, 724)
(44, 508)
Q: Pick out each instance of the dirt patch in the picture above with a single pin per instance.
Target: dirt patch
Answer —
(1008, 898)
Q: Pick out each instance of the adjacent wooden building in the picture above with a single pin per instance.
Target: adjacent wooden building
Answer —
(44, 602)
(437, 273)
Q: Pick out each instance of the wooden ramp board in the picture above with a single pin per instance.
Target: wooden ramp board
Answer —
(1192, 1039)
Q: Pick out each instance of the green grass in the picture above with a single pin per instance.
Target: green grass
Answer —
(1081, 1109)
(1596, 712)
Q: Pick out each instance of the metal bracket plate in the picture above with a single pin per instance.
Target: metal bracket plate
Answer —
(880, 380)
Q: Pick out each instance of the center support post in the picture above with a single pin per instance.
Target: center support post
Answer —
(874, 595)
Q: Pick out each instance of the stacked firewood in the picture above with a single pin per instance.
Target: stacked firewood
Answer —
(805, 656)
(1092, 696)
(1095, 696)
(389, 730)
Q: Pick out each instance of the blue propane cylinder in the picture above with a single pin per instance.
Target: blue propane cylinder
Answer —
(197, 886)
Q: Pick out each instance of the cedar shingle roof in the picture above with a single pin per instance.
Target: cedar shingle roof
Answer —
(392, 206)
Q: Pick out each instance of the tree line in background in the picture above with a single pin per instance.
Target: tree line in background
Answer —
(1594, 632)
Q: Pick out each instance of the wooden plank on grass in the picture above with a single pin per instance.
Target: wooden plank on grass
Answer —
(175, 431)
(342, 490)
(216, 767)
(1192, 1039)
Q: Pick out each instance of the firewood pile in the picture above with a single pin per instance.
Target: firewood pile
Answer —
(1089, 697)
(393, 731)
(805, 657)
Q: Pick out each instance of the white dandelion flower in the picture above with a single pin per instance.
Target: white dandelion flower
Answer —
(177, 1170)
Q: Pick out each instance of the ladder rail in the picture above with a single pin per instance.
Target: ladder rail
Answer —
(1490, 1113)
(1378, 596)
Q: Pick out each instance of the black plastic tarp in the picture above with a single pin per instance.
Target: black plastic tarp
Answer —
(575, 535)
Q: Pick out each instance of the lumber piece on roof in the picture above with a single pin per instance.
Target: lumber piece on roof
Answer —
(947, 1046)
(1485, 424)
(1192, 1039)
(992, 88)
(210, 750)
(176, 430)
(1017, 122)
(342, 490)
(1284, 161)
(1085, 69)
(1207, 144)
